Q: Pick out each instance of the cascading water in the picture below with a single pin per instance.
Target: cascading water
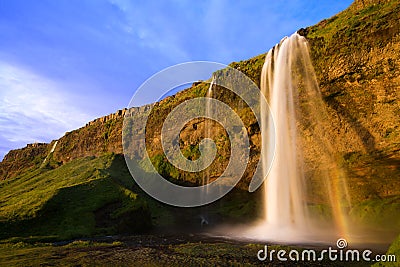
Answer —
(48, 155)
(207, 133)
(285, 213)
(289, 84)
(208, 126)
(284, 192)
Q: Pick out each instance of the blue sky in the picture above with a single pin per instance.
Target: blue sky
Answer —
(66, 62)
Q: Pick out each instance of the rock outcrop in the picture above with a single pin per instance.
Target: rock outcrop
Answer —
(19, 160)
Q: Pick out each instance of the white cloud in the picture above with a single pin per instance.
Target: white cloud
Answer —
(34, 108)
(152, 29)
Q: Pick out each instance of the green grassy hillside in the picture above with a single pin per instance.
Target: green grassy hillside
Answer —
(96, 196)
(86, 197)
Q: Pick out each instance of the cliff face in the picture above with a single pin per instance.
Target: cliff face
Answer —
(361, 4)
(358, 66)
(357, 61)
(19, 160)
(98, 136)
(356, 55)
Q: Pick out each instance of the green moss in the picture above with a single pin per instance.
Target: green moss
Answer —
(394, 249)
(251, 67)
(164, 167)
(109, 126)
(191, 152)
(383, 213)
(240, 206)
(320, 211)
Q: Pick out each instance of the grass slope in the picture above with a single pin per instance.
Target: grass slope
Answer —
(96, 196)
(84, 197)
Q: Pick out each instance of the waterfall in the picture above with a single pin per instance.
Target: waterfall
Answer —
(54, 147)
(289, 84)
(208, 127)
(284, 187)
(50, 152)
(207, 134)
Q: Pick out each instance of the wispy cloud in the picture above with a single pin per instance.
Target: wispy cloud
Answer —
(34, 108)
(152, 27)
